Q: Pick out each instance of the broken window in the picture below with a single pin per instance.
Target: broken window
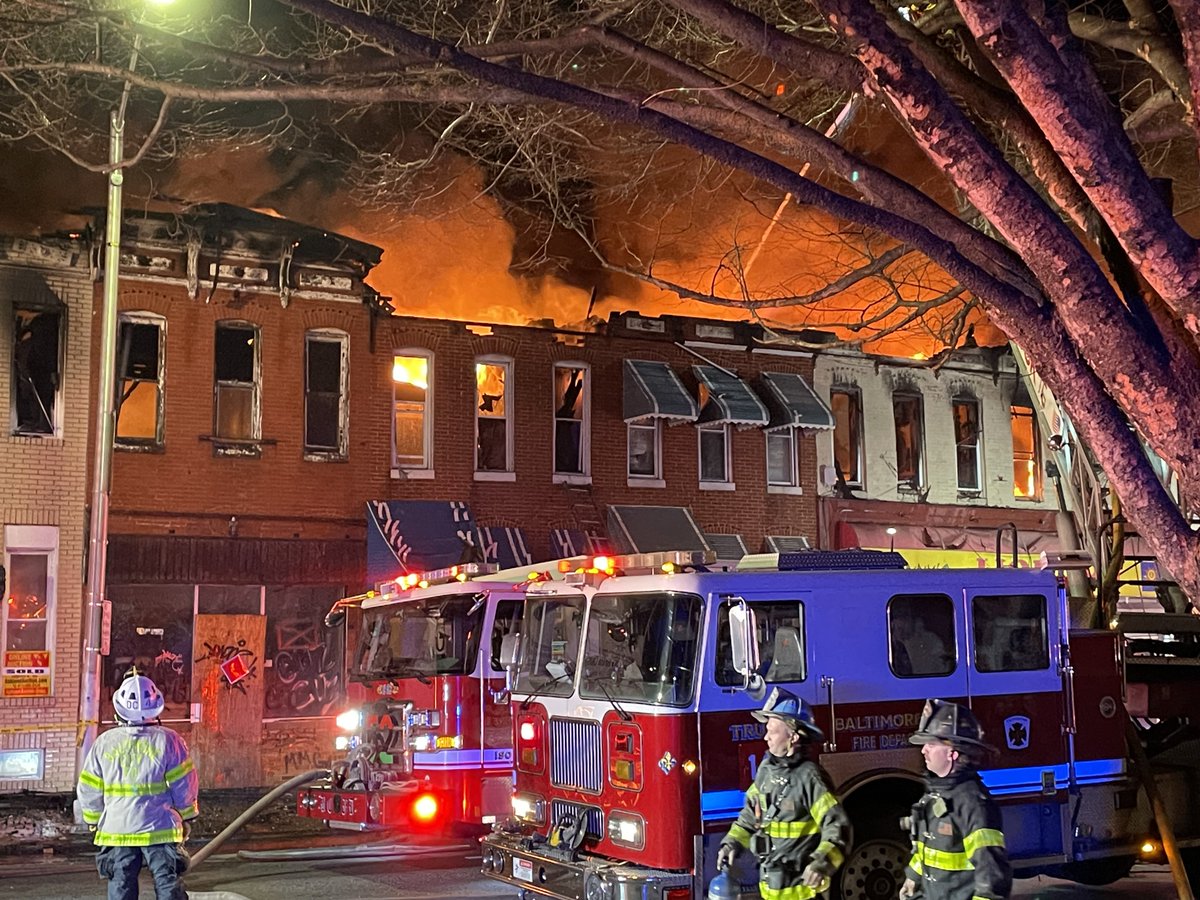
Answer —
(140, 373)
(37, 372)
(781, 458)
(493, 430)
(412, 425)
(847, 435)
(237, 382)
(1027, 463)
(325, 388)
(714, 454)
(966, 442)
(645, 440)
(910, 437)
(571, 400)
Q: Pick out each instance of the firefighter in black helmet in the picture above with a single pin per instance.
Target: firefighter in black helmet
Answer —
(957, 842)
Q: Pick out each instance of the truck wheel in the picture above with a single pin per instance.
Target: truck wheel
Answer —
(1099, 872)
(873, 870)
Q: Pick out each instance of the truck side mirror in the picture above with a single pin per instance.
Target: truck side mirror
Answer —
(743, 641)
(510, 649)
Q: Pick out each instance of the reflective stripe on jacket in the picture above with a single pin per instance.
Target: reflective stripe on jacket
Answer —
(793, 802)
(138, 786)
(958, 848)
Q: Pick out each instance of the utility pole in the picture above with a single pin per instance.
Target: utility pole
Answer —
(105, 426)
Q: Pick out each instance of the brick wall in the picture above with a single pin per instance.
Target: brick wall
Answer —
(43, 481)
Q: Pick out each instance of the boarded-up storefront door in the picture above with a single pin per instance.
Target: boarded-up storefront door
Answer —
(227, 683)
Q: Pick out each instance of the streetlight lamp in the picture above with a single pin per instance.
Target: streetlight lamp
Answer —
(105, 426)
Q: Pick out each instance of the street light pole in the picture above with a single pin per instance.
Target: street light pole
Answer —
(105, 426)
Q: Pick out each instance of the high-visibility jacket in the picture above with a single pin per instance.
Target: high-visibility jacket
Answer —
(138, 786)
(793, 804)
(958, 845)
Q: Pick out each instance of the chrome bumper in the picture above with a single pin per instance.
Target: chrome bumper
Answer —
(511, 859)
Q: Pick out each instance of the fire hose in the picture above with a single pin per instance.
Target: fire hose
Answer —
(266, 800)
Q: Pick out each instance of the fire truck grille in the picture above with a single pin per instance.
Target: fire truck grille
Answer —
(593, 816)
(576, 759)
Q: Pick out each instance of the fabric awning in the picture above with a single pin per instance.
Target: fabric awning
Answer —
(653, 391)
(505, 546)
(726, 398)
(786, 543)
(794, 404)
(647, 529)
(726, 546)
(417, 535)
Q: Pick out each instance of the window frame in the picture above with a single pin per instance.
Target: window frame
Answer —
(986, 662)
(1034, 457)
(725, 483)
(925, 601)
(639, 478)
(584, 475)
(963, 400)
(509, 471)
(793, 457)
(856, 439)
(916, 483)
(33, 540)
(423, 469)
(139, 317)
(342, 450)
(56, 414)
(255, 384)
(724, 675)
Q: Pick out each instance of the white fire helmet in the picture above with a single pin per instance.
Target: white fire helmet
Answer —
(138, 700)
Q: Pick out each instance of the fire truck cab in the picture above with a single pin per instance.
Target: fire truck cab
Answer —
(634, 739)
(428, 737)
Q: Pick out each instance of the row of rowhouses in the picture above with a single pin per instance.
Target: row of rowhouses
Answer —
(285, 436)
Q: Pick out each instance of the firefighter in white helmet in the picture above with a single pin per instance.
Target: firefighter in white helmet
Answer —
(792, 820)
(138, 791)
(958, 850)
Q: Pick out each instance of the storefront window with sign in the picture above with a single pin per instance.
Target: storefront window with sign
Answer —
(27, 618)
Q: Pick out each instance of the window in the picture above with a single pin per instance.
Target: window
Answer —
(412, 420)
(909, 440)
(714, 454)
(326, 361)
(781, 458)
(1010, 633)
(1027, 468)
(921, 635)
(645, 443)
(780, 635)
(493, 408)
(572, 403)
(507, 621)
(141, 373)
(236, 373)
(27, 614)
(966, 442)
(36, 370)
(847, 435)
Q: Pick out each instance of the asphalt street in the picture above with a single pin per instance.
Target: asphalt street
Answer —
(450, 874)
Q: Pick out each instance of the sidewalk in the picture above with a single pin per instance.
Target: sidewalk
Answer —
(40, 825)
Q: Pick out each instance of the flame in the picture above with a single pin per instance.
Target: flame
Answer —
(412, 370)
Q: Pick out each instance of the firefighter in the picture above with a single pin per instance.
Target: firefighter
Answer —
(138, 791)
(957, 841)
(791, 821)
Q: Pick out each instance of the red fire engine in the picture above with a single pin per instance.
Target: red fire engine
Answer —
(428, 737)
(635, 681)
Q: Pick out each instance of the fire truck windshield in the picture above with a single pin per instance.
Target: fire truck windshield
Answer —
(552, 629)
(420, 638)
(641, 647)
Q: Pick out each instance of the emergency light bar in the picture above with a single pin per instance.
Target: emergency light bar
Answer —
(435, 576)
(816, 560)
(637, 563)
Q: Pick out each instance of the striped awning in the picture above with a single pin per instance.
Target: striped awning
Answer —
(727, 399)
(794, 404)
(505, 546)
(653, 391)
(649, 529)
